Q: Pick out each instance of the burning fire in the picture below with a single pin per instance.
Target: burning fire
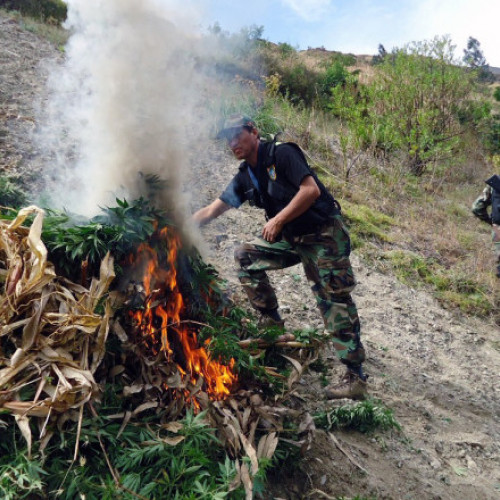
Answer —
(160, 326)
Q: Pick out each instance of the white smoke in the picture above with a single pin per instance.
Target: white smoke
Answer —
(122, 101)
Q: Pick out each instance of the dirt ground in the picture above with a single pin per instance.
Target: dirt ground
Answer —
(438, 370)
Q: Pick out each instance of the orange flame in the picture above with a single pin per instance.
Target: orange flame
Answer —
(159, 318)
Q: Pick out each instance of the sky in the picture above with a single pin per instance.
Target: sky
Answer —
(359, 26)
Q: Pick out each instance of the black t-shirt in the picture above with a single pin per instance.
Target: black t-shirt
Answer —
(289, 164)
(277, 182)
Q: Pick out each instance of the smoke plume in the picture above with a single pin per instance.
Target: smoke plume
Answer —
(122, 102)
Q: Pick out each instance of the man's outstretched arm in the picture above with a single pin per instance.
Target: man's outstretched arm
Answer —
(210, 212)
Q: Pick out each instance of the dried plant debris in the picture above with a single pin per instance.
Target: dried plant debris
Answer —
(52, 340)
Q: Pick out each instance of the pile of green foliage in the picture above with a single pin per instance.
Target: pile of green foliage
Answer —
(140, 460)
(121, 456)
(49, 11)
(72, 239)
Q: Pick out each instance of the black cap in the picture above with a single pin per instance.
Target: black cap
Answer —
(233, 124)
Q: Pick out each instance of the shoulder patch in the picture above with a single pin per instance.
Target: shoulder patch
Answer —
(272, 172)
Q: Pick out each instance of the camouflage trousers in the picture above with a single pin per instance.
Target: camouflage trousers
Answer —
(325, 257)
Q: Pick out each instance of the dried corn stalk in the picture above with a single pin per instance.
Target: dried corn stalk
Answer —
(51, 338)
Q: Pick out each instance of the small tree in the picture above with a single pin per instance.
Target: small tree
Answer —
(473, 55)
(380, 57)
(475, 60)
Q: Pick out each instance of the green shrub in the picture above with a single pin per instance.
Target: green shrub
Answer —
(52, 11)
(335, 75)
(491, 135)
(286, 50)
(299, 83)
(366, 416)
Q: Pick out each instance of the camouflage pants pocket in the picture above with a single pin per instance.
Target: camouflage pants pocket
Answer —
(253, 260)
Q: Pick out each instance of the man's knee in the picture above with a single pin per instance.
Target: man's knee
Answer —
(241, 254)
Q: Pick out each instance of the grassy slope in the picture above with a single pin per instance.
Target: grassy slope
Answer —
(422, 229)
(51, 32)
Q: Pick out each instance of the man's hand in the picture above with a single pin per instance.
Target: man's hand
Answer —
(305, 197)
(272, 229)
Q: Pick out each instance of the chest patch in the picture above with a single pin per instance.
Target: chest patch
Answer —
(272, 172)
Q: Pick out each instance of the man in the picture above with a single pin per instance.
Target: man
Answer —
(303, 224)
(490, 197)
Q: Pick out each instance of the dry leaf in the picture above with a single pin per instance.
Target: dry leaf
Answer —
(145, 406)
(267, 445)
(24, 425)
(174, 427)
(247, 482)
(132, 389)
(173, 441)
(251, 453)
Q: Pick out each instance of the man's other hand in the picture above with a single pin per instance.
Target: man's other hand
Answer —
(272, 229)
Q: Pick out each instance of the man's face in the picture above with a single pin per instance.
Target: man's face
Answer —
(243, 143)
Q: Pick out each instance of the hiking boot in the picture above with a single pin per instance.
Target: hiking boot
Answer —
(351, 386)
